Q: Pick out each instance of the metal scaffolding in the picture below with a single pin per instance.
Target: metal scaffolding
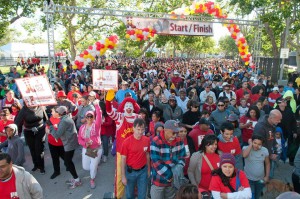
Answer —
(51, 8)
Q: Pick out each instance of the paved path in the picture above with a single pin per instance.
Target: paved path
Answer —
(57, 189)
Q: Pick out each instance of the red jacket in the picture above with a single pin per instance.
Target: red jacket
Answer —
(108, 127)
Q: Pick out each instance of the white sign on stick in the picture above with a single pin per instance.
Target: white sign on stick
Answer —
(284, 53)
(105, 79)
(36, 91)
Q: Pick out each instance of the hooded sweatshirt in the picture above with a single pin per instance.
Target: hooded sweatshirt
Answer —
(15, 147)
(267, 131)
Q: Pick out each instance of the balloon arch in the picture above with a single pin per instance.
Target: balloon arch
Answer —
(100, 47)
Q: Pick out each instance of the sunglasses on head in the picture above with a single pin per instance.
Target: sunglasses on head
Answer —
(89, 116)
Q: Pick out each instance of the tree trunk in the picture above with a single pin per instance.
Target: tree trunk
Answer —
(147, 47)
(71, 35)
(298, 59)
(270, 32)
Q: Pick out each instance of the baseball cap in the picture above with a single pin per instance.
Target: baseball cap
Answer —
(182, 90)
(289, 195)
(232, 117)
(172, 125)
(92, 94)
(61, 110)
(90, 112)
(172, 97)
(12, 126)
(279, 100)
(275, 89)
(203, 121)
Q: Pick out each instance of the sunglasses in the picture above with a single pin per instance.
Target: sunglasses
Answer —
(195, 106)
(220, 104)
(89, 116)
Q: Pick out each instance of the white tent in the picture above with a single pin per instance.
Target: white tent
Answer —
(24, 50)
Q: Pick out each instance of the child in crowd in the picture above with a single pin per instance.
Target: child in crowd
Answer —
(243, 108)
(209, 104)
(257, 164)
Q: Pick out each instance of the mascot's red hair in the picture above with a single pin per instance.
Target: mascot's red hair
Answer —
(124, 118)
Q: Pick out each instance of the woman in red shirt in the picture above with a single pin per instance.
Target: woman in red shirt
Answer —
(228, 182)
(15, 109)
(248, 122)
(203, 162)
(55, 145)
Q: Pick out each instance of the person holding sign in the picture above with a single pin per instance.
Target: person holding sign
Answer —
(32, 118)
(124, 122)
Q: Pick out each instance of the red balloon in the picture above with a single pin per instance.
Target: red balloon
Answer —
(249, 55)
(98, 43)
(85, 52)
(98, 48)
(81, 55)
(91, 47)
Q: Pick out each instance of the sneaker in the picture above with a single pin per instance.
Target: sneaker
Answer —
(70, 181)
(34, 169)
(92, 183)
(54, 175)
(42, 171)
(75, 184)
(104, 158)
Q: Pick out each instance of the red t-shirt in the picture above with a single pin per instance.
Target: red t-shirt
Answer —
(9, 187)
(9, 103)
(206, 171)
(51, 139)
(247, 132)
(2, 125)
(197, 135)
(230, 147)
(135, 151)
(217, 185)
(255, 97)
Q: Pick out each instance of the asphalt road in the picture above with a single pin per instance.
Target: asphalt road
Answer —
(57, 188)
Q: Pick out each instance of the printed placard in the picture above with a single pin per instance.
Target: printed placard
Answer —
(36, 91)
(105, 79)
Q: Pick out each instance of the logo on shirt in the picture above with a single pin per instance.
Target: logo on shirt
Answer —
(145, 148)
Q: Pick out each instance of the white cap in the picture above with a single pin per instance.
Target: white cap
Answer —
(275, 88)
(92, 94)
(224, 84)
(252, 79)
(176, 73)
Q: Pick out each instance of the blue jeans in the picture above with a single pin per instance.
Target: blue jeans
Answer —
(256, 188)
(139, 179)
(274, 163)
(105, 140)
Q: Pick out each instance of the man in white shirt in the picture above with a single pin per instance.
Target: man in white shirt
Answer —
(227, 92)
(207, 92)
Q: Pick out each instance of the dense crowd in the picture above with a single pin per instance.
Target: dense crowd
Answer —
(180, 128)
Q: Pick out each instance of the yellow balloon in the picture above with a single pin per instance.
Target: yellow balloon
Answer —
(127, 36)
(93, 58)
(246, 63)
(85, 56)
(74, 67)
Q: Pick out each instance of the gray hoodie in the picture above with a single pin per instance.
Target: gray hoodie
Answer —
(15, 147)
(67, 132)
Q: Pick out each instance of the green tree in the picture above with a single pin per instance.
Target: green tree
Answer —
(227, 46)
(276, 15)
(13, 10)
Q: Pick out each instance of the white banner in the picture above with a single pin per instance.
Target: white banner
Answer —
(171, 27)
(105, 79)
(36, 91)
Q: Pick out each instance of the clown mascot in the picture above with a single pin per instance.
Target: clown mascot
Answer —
(124, 118)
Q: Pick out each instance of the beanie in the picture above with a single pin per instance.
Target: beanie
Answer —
(227, 158)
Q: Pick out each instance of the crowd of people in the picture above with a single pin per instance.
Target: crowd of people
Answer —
(180, 128)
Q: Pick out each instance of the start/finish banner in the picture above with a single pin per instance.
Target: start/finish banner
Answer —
(171, 27)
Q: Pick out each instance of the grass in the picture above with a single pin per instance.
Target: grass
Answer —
(6, 69)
